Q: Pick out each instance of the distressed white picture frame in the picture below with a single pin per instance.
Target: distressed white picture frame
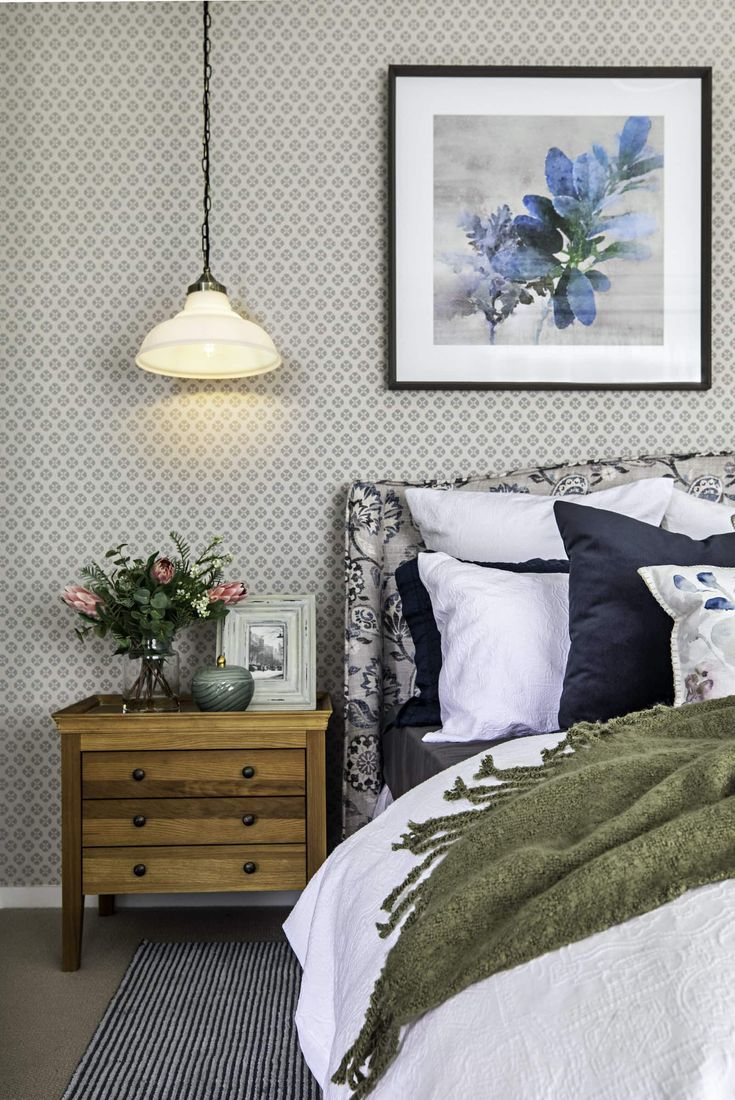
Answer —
(296, 689)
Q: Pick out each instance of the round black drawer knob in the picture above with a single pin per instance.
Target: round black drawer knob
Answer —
(249, 868)
(248, 819)
(248, 772)
(138, 774)
(139, 870)
(139, 821)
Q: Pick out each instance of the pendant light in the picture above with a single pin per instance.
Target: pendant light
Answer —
(207, 339)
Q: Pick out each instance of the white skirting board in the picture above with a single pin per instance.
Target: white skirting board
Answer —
(49, 897)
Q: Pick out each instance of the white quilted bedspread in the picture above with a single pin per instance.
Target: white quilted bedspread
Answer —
(643, 1011)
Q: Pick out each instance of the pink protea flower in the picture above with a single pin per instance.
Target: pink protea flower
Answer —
(163, 570)
(229, 593)
(81, 599)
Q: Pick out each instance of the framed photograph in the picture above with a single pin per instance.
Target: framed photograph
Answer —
(550, 228)
(275, 638)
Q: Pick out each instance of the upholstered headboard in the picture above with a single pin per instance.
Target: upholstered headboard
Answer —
(380, 535)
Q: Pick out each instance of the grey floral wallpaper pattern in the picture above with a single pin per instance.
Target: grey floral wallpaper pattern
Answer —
(99, 173)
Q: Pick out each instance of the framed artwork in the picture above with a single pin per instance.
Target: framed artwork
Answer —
(550, 228)
(275, 638)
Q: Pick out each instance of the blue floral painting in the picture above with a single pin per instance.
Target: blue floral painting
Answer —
(548, 230)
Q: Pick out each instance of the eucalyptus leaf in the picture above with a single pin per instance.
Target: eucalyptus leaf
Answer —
(633, 137)
(643, 167)
(559, 173)
(563, 315)
(601, 155)
(538, 234)
(590, 178)
(581, 297)
(626, 250)
(600, 281)
(568, 207)
(542, 208)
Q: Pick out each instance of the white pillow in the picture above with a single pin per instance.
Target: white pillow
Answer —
(701, 601)
(517, 526)
(505, 640)
(697, 517)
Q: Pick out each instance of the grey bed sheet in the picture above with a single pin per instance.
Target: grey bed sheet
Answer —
(408, 761)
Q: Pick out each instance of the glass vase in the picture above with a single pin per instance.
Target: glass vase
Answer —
(151, 678)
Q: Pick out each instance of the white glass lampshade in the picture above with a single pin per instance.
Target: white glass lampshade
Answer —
(208, 340)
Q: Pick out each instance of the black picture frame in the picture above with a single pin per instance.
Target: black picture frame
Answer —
(700, 73)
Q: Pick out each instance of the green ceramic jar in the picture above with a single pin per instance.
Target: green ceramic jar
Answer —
(222, 688)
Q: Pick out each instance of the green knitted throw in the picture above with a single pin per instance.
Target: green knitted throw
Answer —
(637, 814)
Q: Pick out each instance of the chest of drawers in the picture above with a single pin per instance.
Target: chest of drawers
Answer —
(187, 802)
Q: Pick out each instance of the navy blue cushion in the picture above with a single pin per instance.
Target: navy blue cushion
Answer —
(620, 652)
(423, 709)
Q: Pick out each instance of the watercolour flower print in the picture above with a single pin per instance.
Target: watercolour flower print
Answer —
(556, 263)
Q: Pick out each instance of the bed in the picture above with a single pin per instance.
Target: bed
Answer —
(643, 1009)
(380, 535)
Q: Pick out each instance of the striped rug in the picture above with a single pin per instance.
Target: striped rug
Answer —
(200, 1021)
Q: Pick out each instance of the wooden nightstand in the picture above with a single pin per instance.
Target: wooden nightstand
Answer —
(186, 802)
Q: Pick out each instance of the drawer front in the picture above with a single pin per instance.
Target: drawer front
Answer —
(197, 773)
(193, 869)
(149, 821)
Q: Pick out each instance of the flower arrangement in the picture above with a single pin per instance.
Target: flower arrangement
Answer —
(555, 251)
(142, 602)
(148, 599)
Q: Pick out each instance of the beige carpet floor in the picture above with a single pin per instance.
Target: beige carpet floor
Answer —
(47, 1018)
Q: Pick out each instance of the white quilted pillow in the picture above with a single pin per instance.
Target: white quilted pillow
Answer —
(698, 517)
(517, 526)
(505, 640)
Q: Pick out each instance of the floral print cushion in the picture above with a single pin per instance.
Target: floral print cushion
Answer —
(380, 535)
(701, 602)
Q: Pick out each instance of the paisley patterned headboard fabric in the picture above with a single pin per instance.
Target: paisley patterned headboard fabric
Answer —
(380, 535)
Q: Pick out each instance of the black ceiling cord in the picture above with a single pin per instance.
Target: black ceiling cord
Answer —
(206, 280)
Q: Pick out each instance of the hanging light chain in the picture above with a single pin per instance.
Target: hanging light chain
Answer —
(205, 143)
(206, 280)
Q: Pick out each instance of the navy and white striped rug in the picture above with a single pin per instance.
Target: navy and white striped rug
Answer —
(200, 1021)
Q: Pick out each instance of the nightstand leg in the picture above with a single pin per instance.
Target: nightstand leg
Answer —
(72, 919)
(106, 905)
(71, 851)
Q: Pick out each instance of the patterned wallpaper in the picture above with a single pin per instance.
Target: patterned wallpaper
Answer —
(99, 111)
